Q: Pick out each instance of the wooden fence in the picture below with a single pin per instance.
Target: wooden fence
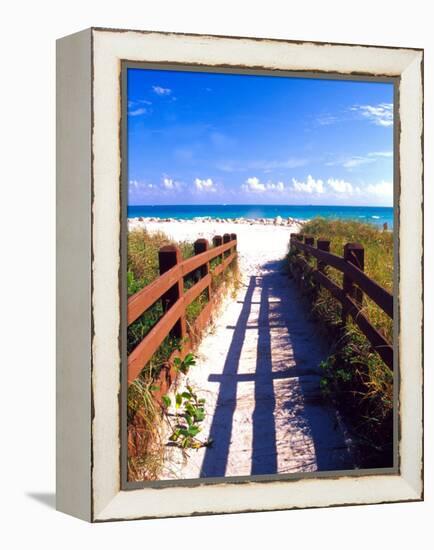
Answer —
(169, 288)
(355, 284)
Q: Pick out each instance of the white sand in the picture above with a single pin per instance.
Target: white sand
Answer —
(258, 369)
(258, 245)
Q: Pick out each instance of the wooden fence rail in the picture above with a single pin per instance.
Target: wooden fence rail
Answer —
(169, 288)
(355, 284)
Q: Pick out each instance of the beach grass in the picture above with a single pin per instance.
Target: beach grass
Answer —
(354, 376)
(378, 247)
(144, 417)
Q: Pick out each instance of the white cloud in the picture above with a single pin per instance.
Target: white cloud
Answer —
(340, 186)
(137, 190)
(135, 102)
(332, 189)
(381, 114)
(359, 160)
(159, 90)
(205, 185)
(168, 183)
(254, 185)
(135, 107)
(354, 162)
(139, 185)
(137, 112)
(383, 189)
(385, 154)
(309, 186)
(279, 186)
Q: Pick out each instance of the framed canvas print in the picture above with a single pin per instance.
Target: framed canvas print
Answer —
(239, 267)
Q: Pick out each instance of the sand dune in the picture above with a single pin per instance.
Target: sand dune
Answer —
(259, 245)
(258, 369)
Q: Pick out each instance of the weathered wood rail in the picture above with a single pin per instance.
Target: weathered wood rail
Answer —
(355, 284)
(169, 288)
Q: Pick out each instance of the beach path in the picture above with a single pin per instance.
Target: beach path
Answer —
(258, 369)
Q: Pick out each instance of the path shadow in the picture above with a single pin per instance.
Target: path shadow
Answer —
(264, 452)
(286, 391)
(216, 456)
(305, 411)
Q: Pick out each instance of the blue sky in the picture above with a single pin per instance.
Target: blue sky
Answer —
(203, 138)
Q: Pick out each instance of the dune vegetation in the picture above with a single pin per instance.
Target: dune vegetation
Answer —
(146, 447)
(354, 376)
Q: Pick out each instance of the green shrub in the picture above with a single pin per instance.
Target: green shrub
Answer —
(378, 247)
(143, 269)
(354, 376)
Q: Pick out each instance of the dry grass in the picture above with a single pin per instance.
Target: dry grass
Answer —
(378, 247)
(145, 445)
(354, 375)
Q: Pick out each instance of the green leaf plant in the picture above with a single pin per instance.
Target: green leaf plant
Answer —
(189, 411)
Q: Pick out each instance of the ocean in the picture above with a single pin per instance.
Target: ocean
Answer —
(376, 215)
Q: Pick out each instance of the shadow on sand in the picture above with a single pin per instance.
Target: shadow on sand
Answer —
(298, 407)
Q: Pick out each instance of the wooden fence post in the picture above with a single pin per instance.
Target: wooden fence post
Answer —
(202, 245)
(354, 253)
(218, 241)
(168, 257)
(234, 238)
(324, 245)
(311, 242)
(226, 239)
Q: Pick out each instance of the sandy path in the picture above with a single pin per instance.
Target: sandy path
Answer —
(258, 370)
(257, 244)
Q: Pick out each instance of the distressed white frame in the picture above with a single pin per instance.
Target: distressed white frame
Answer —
(89, 444)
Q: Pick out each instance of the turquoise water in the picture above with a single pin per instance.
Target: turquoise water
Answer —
(368, 214)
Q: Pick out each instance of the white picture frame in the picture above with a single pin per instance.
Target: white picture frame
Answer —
(89, 169)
